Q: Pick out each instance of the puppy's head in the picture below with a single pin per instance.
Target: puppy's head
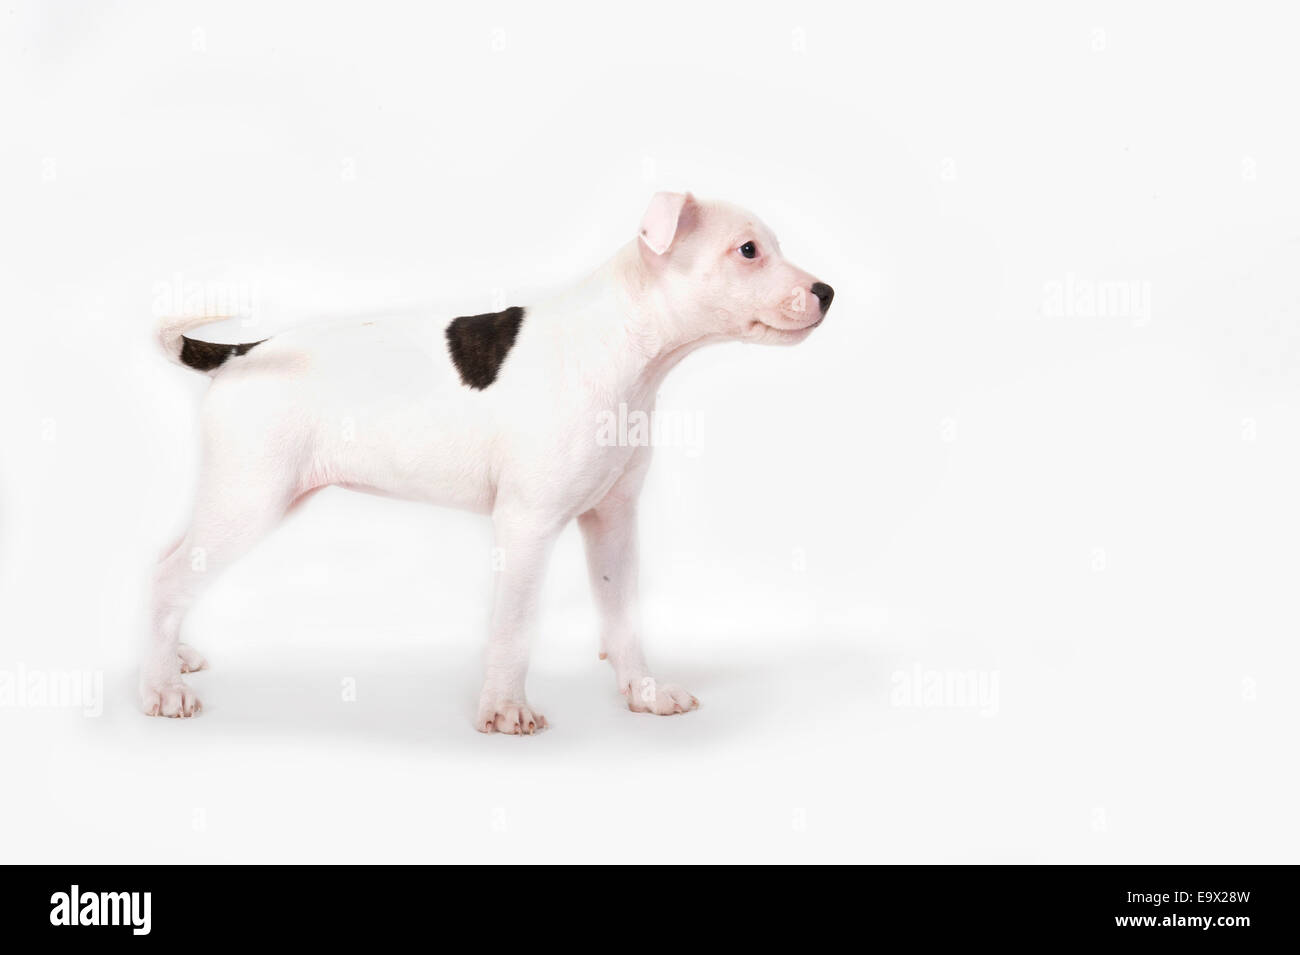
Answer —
(720, 272)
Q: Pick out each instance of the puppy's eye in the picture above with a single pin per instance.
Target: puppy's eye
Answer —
(749, 250)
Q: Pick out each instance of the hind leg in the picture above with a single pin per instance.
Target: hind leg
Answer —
(236, 507)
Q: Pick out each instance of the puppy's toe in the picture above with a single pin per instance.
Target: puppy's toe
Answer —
(151, 702)
(191, 660)
(509, 717)
(172, 699)
(662, 699)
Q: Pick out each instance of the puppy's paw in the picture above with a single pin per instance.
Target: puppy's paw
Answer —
(170, 699)
(191, 660)
(509, 717)
(645, 695)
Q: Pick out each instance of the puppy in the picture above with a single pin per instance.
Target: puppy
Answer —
(495, 413)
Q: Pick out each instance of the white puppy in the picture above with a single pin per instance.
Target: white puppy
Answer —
(495, 413)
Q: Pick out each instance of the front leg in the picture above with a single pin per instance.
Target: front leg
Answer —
(523, 546)
(609, 531)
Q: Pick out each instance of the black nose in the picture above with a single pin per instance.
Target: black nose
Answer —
(824, 294)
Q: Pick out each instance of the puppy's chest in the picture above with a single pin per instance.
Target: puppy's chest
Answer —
(581, 460)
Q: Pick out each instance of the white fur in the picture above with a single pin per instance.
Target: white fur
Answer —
(379, 406)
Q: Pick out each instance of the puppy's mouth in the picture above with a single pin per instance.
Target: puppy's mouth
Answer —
(794, 331)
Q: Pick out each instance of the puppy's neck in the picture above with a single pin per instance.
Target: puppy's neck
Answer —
(616, 330)
(654, 339)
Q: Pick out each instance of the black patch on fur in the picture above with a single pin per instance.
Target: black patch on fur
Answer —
(480, 343)
(204, 356)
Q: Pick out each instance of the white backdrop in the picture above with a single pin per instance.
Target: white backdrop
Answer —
(999, 565)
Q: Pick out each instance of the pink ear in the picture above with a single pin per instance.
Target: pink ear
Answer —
(659, 224)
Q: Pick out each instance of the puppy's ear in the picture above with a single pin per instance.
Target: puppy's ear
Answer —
(666, 217)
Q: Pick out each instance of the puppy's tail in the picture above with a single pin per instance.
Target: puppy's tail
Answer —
(202, 356)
